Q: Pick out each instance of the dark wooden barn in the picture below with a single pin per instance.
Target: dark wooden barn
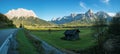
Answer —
(71, 34)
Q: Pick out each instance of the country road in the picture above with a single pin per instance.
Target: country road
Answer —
(6, 39)
(4, 34)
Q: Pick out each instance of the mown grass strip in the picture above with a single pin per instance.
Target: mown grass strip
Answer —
(25, 46)
(37, 43)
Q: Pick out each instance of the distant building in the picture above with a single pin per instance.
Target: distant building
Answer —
(71, 34)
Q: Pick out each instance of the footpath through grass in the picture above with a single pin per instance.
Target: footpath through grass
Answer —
(25, 46)
(54, 38)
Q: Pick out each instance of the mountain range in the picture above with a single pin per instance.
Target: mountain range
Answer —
(29, 18)
(87, 17)
(26, 18)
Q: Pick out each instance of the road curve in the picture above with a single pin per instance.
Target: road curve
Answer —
(4, 34)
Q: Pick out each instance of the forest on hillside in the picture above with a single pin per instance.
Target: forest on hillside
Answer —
(5, 22)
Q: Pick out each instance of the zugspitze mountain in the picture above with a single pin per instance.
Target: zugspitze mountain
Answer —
(20, 12)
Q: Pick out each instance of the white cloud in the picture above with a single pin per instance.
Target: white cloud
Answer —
(111, 14)
(105, 1)
(83, 5)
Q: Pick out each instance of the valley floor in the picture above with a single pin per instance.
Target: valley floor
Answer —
(53, 38)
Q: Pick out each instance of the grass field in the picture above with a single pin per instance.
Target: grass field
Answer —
(44, 29)
(25, 47)
(54, 38)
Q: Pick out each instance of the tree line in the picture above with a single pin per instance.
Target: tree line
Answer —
(108, 36)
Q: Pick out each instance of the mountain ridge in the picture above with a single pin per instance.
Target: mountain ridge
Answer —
(88, 17)
(20, 12)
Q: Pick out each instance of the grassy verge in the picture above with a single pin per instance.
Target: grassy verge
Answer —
(37, 44)
(7, 28)
(54, 38)
(25, 47)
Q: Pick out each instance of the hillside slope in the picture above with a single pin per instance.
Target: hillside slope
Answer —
(31, 21)
(5, 22)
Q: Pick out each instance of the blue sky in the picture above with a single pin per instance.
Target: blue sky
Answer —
(47, 9)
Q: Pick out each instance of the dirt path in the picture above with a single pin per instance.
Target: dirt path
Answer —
(48, 49)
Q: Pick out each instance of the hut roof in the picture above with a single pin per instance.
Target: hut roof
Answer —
(71, 31)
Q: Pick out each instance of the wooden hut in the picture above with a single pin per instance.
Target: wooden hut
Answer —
(71, 34)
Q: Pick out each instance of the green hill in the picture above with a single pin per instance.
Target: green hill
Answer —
(5, 22)
(31, 22)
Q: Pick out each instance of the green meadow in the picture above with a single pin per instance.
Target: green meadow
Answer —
(53, 38)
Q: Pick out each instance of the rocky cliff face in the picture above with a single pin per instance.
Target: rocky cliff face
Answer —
(20, 12)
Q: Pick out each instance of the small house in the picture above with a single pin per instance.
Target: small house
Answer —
(71, 34)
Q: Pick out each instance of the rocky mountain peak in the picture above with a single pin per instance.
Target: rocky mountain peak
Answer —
(89, 13)
(73, 15)
(102, 14)
(20, 12)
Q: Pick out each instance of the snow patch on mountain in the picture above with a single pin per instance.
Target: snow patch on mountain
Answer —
(111, 14)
